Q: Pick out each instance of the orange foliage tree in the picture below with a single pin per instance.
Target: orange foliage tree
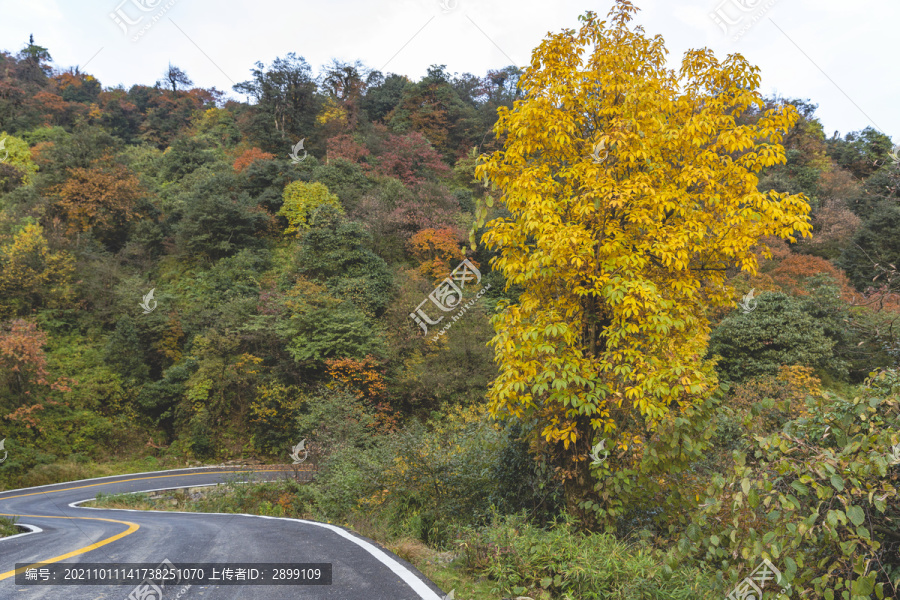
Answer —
(99, 197)
(38, 152)
(23, 370)
(56, 110)
(792, 273)
(437, 250)
(365, 380)
(344, 146)
(250, 156)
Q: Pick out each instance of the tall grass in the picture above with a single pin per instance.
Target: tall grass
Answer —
(559, 562)
(8, 527)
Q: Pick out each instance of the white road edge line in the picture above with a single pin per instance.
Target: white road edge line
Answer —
(31, 529)
(37, 487)
(408, 577)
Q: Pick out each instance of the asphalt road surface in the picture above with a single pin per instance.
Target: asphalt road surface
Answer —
(63, 532)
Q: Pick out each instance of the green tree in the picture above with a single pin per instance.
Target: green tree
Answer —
(860, 152)
(346, 180)
(286, 97)
(877, 242)
(335, 252)
(433, 108)
(36, 62)
(235, 276)
(383, 94)
(158, 400)
(315, 325)
(124, 351)
(185, 156)
(75, 86)
(214, 219)
(777, 332)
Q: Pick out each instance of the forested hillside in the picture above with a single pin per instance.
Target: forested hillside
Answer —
(189, 277)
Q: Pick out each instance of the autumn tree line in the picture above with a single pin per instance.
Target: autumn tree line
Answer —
(619, 212)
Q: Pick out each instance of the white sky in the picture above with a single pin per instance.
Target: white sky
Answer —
(840, 54)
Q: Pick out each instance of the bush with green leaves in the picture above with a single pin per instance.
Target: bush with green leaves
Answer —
(345, 179)
(339, 429)
(819, 498)
(265, 181)
(777, 332)
(233, 276)
(186, 155)
(124, 352)
(158, 400)
(522, 482)
(858, 332)
(456, 469)
(8, 526)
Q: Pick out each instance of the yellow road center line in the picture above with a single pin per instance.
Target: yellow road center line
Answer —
(132, 527)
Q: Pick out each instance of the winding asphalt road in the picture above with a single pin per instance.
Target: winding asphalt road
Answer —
(63, 532)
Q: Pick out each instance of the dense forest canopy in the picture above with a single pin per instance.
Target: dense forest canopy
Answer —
(289, 239)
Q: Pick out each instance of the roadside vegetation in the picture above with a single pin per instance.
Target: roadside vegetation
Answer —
(687, 362)
(8, 527)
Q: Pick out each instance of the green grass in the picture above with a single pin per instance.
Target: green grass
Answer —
(8, 527)
(139, 501)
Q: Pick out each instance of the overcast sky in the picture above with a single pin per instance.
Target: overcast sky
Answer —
(840, 54)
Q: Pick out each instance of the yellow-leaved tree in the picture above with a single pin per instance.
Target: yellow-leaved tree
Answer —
(32, 275)
(631, 189)
(16, 153)
(301, 199)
